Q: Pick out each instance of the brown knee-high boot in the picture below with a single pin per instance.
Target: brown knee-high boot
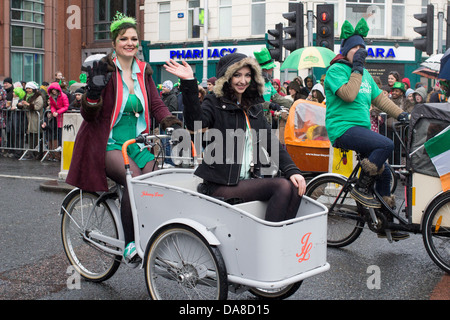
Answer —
(362, 192)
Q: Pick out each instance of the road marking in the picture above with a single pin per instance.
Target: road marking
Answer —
(26, 177)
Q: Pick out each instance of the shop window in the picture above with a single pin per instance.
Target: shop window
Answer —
(258, 17)
(26, 37)
(164, 21)
(398, 18)
(104, 13)
(28, 11)
(225, 18)
(374, 11)
(193, 31)
(27, 66)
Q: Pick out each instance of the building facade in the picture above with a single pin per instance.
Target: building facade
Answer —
(241, 25)
(40, 37)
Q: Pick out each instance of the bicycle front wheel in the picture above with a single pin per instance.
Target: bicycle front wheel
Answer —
(344, 221)
(436, 231)
(276, 294)
(181, 265)
(82, 215)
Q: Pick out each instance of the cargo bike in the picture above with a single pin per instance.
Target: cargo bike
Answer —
(193, 246)
(426, 207)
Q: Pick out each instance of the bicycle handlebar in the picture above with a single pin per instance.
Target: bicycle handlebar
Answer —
(146, 139)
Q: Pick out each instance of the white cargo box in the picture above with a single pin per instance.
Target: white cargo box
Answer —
(256, 252)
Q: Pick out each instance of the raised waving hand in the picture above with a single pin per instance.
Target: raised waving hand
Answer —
(182, 71)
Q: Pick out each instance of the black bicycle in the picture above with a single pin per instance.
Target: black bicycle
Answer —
(429, 214)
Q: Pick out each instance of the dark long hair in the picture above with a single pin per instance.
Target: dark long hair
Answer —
(249, 97)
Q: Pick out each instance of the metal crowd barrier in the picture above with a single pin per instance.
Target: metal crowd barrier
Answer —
(26, 140)
(397, 159)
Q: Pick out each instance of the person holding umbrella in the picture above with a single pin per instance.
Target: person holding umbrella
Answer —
(350, 91)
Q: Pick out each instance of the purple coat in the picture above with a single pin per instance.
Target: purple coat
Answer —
(87, 170)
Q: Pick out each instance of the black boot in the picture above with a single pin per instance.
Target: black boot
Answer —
(362, 191)
(396, 235)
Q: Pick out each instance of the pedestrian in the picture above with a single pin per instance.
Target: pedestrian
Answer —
(318, 94)
(211, 82)
(310, 80)
(267, 64)
(75, 106)
(409, 94)
(2, 119)
(350, 92)
(168, 96)
(33, 103)
(398, 97)
(9, 90)
(58, 76)
(277, 85)
(393, 77)
(18, 120)
(420, 95)
(440, 95)
(407, 83)
(236, 106)
(120, 101)
(398, 94)
(59, 104)
(408, 101)
(296, 91)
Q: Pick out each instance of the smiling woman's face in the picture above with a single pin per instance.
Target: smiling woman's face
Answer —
(241, 80)
(126, 44)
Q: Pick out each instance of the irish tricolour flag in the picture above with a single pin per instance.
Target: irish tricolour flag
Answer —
(438, 148)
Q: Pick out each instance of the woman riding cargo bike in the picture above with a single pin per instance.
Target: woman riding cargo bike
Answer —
(352, 202)
(350, 91)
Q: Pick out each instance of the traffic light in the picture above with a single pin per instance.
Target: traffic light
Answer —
(325, 26)
(295, 28)
(425, 43)
(277, 43)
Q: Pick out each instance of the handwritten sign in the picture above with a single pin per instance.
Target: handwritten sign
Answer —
(152, 195)
(304, 255)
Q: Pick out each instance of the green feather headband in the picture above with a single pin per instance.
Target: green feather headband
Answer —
(120, 19)
(362, 29)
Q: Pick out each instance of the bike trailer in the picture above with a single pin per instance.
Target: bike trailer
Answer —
(257, 253)
(427, 122)
(306, 137)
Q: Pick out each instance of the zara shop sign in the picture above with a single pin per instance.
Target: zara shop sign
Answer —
(387, 53)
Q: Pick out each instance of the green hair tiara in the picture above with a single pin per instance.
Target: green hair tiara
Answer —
(120, 19)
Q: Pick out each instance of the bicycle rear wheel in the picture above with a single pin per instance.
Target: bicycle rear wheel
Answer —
(344, 221)
(81, 215)
(181, 265)
(436, 231)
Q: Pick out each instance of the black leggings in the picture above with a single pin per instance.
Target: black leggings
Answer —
(115, 170)
(281, 194)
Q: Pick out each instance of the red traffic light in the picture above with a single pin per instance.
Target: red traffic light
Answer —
(324, 17)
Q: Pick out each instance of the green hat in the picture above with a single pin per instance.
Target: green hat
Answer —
(399, 85)
(20, 92)
(264, 59)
